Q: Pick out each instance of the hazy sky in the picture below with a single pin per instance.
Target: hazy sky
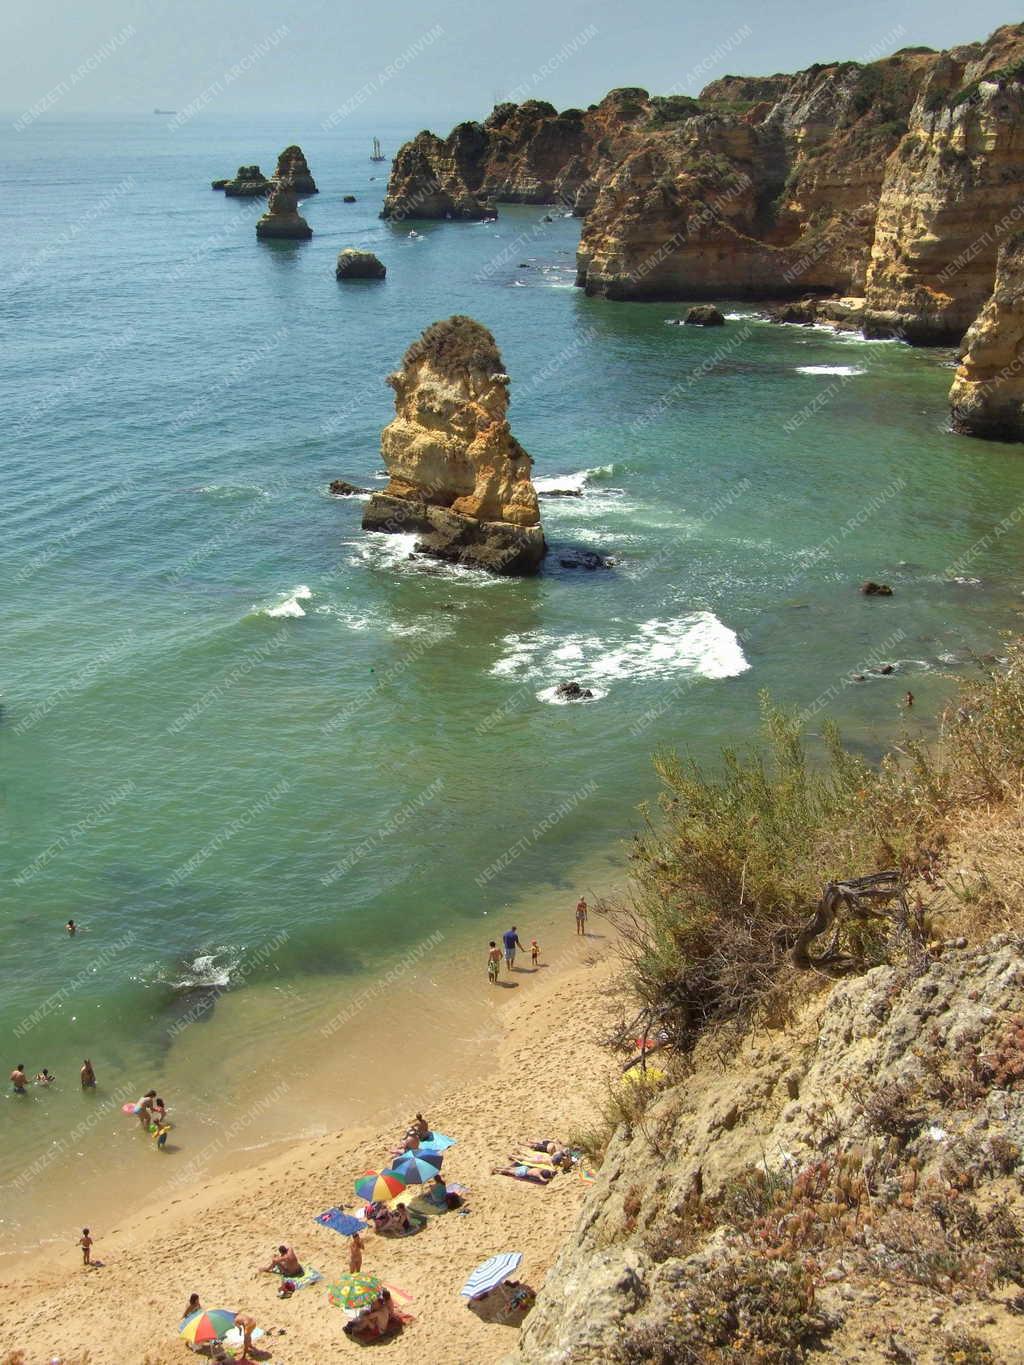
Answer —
(437, 57)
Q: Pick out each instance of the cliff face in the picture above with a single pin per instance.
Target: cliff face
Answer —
(987, 397)
(456, 472)
(525, 154)
(748, 195)
(952, 191)
(844, 1187)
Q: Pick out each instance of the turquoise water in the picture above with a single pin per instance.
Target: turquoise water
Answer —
(248, 746)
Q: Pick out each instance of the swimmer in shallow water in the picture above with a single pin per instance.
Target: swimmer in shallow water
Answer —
(71, 927)
(44, 1077)
(88, 1075)
(18, 1079)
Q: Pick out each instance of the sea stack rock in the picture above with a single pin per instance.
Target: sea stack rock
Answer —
(249, 183)
(987, 397)
(282, 219)
(359, 265)
(293, 170)
(457, 474)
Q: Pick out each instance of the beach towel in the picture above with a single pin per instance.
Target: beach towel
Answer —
(341, 1222)
(535, 1160)
(587, 1174)
(303, 1281)
(437, 1142)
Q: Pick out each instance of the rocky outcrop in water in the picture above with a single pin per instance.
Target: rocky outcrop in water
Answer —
(457, 475)
(249, 182)
(293, 170)
(359, 265)
(282, 220)
(987, 397)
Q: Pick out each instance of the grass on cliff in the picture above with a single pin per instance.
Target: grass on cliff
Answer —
(729, 868)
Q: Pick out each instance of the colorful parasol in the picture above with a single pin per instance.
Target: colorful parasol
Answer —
(209, 1324)
(416, 1168)
(373, 1185)
(354, 1291)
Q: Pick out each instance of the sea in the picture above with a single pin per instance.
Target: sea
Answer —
(264, 758)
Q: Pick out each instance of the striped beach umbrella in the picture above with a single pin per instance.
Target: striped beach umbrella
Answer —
(354, 1291)
(491, 1273)
(208, 1324)
(373, 1185)
(415, 1168)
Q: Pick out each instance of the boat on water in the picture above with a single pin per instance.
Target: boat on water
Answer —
(165, 111)
(376, 154)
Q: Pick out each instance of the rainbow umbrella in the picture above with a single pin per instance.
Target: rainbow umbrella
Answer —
(373, 1185)
(354, 1291)
(415, 1168)
(208, 1324)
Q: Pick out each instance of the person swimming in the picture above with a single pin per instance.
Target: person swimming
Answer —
(44, 1077)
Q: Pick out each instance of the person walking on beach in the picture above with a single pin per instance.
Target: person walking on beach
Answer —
(355, 1254)
(85, 1242)
(88, 1075)
(18, 1079)
(511, 941)
(581, 915)
(493, 962)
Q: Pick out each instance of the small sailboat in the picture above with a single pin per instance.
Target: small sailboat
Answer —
(376, 154)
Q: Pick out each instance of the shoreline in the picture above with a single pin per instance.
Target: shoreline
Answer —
(544, 1071)
(304, 1064)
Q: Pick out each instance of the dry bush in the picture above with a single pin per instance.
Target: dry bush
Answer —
(456, 345)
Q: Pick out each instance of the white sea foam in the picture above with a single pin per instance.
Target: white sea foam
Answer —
(697, 643)
(579, 482)
(394, 553)
(209, 969)
(290, 605)
(829, 369)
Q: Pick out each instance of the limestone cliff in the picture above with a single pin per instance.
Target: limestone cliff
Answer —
(987, 397)
(525, 154)
(952, 191)
(843, 1190)
(456, 472)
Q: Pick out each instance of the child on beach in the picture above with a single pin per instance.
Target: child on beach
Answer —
(493, 962)
(534, 951)
(44, 1077)
(85, 1242)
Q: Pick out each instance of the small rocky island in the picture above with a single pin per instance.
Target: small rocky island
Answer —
(457, 475)
(359, 265)
(282, 220)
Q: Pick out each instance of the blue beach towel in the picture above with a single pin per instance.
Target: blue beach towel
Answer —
(437, 1142)
(340, 1222)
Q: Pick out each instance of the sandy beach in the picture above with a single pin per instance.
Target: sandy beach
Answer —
(541, 1072)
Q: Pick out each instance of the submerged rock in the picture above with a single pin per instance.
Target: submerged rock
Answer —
(341, 489)
(293, 170)
(705, 315)
(873, 589)
(457, 475)
(583, 559)
(572, 691)
(348, 199)
(359, 265)
(282, 219)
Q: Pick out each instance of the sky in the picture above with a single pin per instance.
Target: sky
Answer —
(432, 59)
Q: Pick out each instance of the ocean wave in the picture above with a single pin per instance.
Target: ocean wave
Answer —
(697, 643)
(290, 605)
(829, 369)
(579, 482)
(209, 969)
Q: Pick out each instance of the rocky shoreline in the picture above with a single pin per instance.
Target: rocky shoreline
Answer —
(883, 190)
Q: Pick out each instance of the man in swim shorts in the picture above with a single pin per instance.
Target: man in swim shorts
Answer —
(581, 915)
(18, 1079)
(493, 962)
(511, 942)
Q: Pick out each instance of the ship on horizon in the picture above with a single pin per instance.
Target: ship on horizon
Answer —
(377, 154)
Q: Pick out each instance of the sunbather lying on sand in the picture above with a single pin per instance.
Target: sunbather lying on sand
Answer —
(556, 1152)
(538, 1176)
